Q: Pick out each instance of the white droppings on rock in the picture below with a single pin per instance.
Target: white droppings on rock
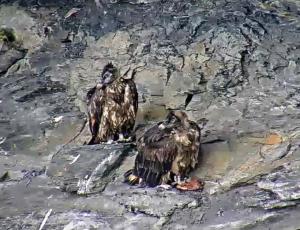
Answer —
(57, 119)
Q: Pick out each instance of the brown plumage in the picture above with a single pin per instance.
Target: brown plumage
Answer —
(167, 151)
(112, 106)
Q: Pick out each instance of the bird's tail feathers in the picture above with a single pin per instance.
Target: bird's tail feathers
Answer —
(130, 178)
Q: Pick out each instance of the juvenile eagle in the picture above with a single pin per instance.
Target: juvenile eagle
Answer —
(112, 106)
(167, 152)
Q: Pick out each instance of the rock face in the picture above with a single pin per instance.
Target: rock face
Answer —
(239, 71)
(8, 57)
(234, 63)
(86, 170)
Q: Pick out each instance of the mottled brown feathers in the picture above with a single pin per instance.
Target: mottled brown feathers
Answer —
(167, 149)
(112, 106)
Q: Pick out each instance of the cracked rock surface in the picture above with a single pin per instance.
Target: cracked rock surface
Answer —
(234, 63)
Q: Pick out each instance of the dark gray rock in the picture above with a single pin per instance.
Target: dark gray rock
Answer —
(273, 201)
(152, 201)
(87, 169)
(57, 220)
(9, 57)
(77, 220)
(279, 189)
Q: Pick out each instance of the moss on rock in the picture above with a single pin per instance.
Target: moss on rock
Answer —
(7, 35)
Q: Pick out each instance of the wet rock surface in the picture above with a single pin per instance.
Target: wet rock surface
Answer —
(235, 63)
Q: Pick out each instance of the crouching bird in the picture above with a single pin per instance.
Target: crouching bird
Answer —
(167, 152)
(112, 106)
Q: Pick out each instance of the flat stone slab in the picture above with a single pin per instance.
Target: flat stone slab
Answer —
(151, 201)
(10, 57)
(87, 169)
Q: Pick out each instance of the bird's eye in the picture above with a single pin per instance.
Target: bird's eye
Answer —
(107, 75)
(174, 119)
(107, 78)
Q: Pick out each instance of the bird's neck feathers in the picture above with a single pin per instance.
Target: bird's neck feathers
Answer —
(117, 86)
(186, 123)
(120, 81)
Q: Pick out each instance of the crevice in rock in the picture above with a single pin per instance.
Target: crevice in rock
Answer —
(248, 10)
(136, 210)
(213, 141)
(260, 25)
(188, 99)
(202, 80)
(169, 73)
(247, 38)
(183, 62)
(48, 88)
(196, 29)
(244, 62)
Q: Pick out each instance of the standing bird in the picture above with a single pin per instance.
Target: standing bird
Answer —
(112, 106)
(167, 152)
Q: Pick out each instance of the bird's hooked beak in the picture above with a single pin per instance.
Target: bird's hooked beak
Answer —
(100, 84)
(104, 80)
(107, 78)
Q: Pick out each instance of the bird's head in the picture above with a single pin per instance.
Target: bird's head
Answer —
(176, 117)
(108, 76)
(180, 115)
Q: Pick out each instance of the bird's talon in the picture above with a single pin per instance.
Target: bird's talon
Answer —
(109, 142)
(164, 186)
(121, 137)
